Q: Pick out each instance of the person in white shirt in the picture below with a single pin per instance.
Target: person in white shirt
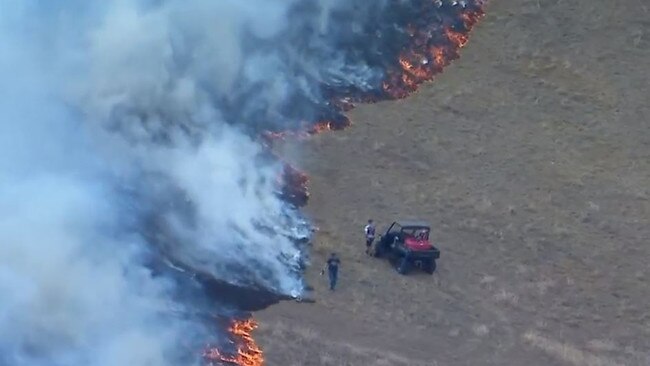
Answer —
(370, 235)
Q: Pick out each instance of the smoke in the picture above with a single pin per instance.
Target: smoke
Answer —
(113, 151)
(155, 91)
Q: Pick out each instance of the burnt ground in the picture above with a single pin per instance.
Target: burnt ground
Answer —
(530, 156)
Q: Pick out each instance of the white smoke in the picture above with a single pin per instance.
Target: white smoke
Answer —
(154, 77)
(72, 291)
(99, 99)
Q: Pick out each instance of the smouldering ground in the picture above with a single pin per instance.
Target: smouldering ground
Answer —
(531, 158)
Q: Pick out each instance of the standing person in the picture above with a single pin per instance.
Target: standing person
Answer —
(370, 235)
(333, 263)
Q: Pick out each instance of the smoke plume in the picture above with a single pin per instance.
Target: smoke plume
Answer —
(115, 155)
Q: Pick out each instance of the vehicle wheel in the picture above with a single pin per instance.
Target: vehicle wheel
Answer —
(430, 266)
(402, 266)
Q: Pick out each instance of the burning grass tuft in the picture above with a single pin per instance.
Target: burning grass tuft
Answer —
(248, 352)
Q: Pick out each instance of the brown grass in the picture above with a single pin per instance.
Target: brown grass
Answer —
(566, 352)
(301, 346)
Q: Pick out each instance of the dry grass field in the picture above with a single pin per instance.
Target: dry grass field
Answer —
(530, 156)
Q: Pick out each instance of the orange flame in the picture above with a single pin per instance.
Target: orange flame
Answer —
(438, 56)
(458, 39)
(248, 352)
(421, 62)
(304, 134)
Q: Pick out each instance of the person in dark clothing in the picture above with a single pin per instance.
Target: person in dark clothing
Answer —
(333, 263)
(370, 235)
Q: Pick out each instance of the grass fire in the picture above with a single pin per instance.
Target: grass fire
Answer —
(247, 353)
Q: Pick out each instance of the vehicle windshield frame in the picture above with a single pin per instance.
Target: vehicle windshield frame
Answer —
(416, 231)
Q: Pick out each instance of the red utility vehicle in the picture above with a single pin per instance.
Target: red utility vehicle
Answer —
(407, 243)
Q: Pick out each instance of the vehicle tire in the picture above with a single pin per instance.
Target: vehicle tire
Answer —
(430, 266)
(403, 265)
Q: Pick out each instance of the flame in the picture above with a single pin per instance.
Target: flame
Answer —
(428, 54)
(438, 56)
(457, 38)
(303, 134)
(248, 352)
(291, 182)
